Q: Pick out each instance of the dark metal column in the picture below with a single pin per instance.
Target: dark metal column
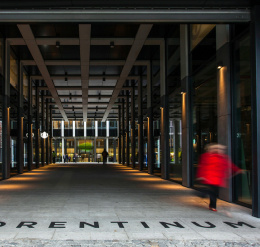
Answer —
(50, 128)
(133, 146)
(37, 130)
(123, 131)
(30, 141)
(186, 107)
(43, 128)
(114, 148)
(127, 130)
(140, 124)
(120, 135)
(47, 130)
(20, 148)
(165, 149)
(6, 116)
(255, 70)
(150, 137)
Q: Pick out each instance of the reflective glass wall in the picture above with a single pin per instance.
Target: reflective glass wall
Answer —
(204, 81)
(81, 148)
(242, 114)
(175, 105)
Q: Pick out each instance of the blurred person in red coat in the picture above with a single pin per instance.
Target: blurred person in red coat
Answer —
(214, 170)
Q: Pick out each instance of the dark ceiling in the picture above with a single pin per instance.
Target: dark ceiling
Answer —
(98, 65)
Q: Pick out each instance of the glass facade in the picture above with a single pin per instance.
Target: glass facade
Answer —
(242, 119)
(204, 93)
(86, 148)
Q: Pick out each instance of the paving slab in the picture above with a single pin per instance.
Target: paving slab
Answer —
(114, 205)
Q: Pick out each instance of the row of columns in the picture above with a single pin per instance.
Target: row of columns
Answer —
(6, 126)
(224, 116)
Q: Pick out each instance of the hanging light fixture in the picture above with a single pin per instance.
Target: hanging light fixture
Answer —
(44, 135)
(58, 44)
(66, 79)
(112, 44)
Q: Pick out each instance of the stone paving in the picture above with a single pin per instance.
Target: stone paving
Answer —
(128, 243)
(113, 205)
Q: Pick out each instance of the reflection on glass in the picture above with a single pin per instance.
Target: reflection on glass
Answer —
(57, 148)
(13, 71)
(145, 144)
(112, 150)
(242, 126)
(175, 150)
(204, 111)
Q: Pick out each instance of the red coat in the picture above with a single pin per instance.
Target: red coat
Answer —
(215, 169)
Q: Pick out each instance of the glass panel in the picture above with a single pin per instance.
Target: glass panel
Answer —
(85, 150)
(79, 128)
(69, 149)
(204, 111)
(56, 128)
(199, 32)
(242, 126)
(57, 148)
(113, 128)
(101, 128)
(145, 144)
(90, 127)
(68, 128)
(176, 150)
(204, 92)
(25, 86)
(112, 150)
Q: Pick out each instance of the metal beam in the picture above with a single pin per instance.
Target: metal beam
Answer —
(36, 54)
(78, 77)
(140, 38)
(93, 41)
(77, 62)
(192, 15)
(80, 96)
(94, 88)
(84, 40)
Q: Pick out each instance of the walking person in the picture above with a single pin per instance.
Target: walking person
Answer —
(214, 170)
(104, 154)
(75, 158)
(98, 158)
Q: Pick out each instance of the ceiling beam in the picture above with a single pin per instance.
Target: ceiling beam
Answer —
(77, 62)
(91, 77)
(84, 41)
(78, 88)
(93, 41)
(29, 39)
(80, 96)
(141, 36)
